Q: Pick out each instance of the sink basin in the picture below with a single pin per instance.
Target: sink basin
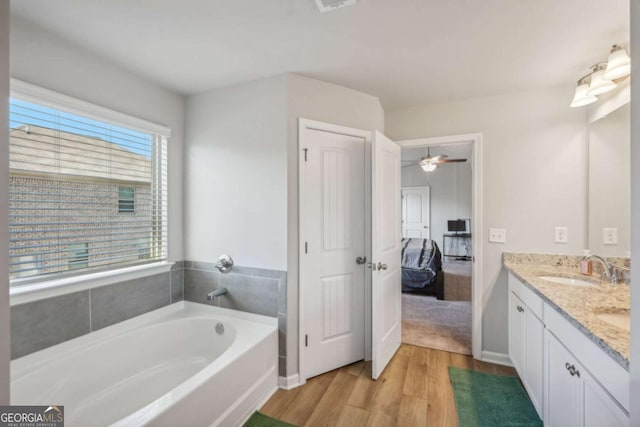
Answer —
(567, 280)
(620, 320)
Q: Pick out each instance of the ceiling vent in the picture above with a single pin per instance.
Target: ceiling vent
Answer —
(329, 5)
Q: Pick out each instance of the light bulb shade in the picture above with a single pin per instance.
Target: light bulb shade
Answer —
(581, 98)
(599, 84)
(428, 166)
(618, 65)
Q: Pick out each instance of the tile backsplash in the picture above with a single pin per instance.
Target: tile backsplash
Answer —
(41, 324)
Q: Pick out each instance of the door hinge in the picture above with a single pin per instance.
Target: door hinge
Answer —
(306, 340)
(305, 153)
(306, 247)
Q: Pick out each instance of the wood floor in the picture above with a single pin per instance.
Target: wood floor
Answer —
(414, 390)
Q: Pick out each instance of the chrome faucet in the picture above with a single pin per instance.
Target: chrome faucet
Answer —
(608, 270)
(224, 264)
(216, 293)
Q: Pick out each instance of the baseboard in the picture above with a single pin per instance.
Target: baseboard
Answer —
(287, 383)
(497, 358)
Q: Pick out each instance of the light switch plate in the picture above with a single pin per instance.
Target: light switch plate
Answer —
(562, 235)
(497, 235)
(610, 236)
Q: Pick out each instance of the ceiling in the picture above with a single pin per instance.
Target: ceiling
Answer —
(406, 52)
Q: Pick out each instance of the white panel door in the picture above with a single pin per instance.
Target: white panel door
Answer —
(386, 321)
(415, 212)
(332, 281)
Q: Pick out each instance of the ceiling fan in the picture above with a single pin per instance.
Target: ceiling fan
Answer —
(429, 164)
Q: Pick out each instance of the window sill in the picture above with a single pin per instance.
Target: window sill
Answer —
(21, 294)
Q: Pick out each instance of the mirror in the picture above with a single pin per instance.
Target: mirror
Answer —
(609, 184)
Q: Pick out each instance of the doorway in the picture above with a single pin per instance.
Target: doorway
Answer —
(441, 308)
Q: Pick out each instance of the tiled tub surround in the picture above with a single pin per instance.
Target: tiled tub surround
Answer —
(254, 290)
(578, 304)
(41, 324)
(44, 323)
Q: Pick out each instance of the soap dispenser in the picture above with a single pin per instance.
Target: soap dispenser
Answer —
(586, 266)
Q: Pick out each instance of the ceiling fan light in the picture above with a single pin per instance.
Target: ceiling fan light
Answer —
(599, 84)
(581, 98)
(428, 166)
(618, 65)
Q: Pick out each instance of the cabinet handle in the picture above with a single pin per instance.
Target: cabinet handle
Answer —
(520, 309)
(572, 369)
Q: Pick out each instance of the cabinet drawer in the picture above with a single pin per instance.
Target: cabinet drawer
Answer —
(613, 377)
(526, 295)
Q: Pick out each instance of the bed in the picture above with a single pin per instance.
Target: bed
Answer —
(422, 267)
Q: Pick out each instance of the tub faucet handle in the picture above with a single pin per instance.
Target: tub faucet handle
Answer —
(224, 264)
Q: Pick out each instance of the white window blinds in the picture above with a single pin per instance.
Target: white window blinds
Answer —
(84, 194)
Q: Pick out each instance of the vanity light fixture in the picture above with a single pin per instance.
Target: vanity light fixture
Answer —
(604, 77)
(618, 64)
(581, 98)
(599, 84)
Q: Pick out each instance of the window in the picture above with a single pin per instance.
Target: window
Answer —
(68, 169)
(126, 199)
(78, 256)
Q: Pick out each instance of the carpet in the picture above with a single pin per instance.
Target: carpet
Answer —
(488, 400)
(260, 420)
(443, 325)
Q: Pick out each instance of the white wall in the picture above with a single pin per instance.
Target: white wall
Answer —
(313, 99)
(241, 172)
(450, 194)
(236, 175)
(40, 58)
(609, 182)
(534, 178)
(5, 339)
(635, 217)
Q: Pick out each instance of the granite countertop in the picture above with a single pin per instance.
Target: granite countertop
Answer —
(578, 304)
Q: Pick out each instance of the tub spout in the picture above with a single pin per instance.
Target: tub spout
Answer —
(216, 293)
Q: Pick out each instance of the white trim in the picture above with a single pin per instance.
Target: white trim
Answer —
(290, 382)
(39, 95)
(497, 358)
(476, 228)
(324, 127)
(21, 294)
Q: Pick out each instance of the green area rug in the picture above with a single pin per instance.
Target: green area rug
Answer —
(261, 420)
(491, 400)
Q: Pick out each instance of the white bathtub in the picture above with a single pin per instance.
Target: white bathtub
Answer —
(168, 367)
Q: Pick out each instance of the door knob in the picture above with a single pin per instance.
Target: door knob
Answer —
(361, 260)
(382, 266)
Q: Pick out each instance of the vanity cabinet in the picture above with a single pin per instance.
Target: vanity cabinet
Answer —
(591, 390)
(596, 395)
(573, 397)
(526, 339)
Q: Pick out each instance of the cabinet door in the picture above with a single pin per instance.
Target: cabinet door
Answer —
(600, 409)
(516, 333)
(533, 357)
(563, 398)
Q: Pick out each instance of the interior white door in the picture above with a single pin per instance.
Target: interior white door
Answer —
(386, 320)
(332, 226)
(415, 212)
